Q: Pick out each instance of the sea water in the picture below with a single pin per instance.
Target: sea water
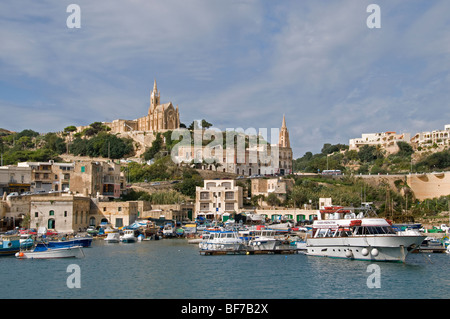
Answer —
(174, 269)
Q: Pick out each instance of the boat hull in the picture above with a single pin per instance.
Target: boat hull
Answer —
(83, 242)
(112, 238)
(264, 243)
(8, 251)
(128, 240)
(221, 246)
(373, 248)
(52, 253)
(9, 245)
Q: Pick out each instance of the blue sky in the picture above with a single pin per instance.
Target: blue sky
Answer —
(238, 64)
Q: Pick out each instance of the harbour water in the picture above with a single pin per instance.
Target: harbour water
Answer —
(173, 269)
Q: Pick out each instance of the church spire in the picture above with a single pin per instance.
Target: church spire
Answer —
(283, 140)
(154, 98)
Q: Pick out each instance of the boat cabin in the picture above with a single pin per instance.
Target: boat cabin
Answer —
(346, 228)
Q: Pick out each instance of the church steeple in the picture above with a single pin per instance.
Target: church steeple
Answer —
(154, 98)
(283, 140)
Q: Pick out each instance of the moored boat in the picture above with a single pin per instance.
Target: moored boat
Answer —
(51, 253)
(9, 245)
(128, 236)
(77, 241)
(264, 239)
(221, 241)
(364, 239)
(112, 238)
(169, 230)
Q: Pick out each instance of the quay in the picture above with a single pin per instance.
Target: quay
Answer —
(249, 251)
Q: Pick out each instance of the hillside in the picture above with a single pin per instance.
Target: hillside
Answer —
(373, 160)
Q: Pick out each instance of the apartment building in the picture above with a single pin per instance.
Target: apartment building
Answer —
(49, 176)
(14, 179)
(278, 186)
(385, 140)
(438, 137)
(97, 179)
(218, 197)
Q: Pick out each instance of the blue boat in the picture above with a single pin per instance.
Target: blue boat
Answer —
(9, 245)
(81, 241)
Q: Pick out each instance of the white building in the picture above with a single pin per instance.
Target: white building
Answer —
(218, 197)
(438, 137)
(386, 140)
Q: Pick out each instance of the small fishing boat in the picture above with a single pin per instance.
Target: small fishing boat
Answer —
(112, 238)
(77, 241)
(169, 230)
(9, 245)
(128, 236)
(51, 253)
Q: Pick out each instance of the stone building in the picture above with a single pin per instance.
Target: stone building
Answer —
(97, 179)
(160, 117)
(14, 179)
(49, 176)
(278, 186)
(118, 214)
(66, 214)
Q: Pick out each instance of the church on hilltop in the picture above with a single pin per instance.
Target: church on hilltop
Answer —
(160, 117)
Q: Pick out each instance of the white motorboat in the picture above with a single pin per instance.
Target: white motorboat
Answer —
(112, 238)
(264, 239)
(50, 253)
(169, 230)
(364, 239)
(128, 236)
(221, 241)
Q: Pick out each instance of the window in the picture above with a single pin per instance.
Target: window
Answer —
(51, 213)
(119, 222)
(229, 206)
(65, 213)
(36, 214)
(83, 169)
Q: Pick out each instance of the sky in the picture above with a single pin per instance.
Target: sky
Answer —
(235, 63)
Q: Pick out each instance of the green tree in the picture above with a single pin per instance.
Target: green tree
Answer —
(273, 200)
(155, 148)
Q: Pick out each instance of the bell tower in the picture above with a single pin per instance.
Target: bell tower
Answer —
(283, 140)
